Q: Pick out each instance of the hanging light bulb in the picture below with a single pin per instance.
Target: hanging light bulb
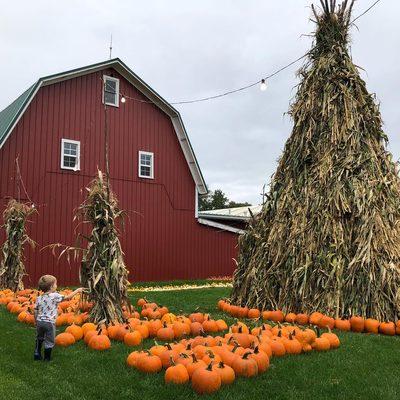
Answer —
(263, 85)
(123, 100)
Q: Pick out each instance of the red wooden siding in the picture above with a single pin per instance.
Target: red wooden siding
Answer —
(162, 239)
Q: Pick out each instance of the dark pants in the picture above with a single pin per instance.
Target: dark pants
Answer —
(46, 332)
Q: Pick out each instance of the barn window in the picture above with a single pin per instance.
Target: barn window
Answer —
(70, 154)
(146, 164)
(111, 91)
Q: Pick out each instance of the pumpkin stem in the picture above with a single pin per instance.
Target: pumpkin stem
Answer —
(210, 354)
(209, 367)
(194, 358)
(246, 355)
(221, 364)
(318, 331)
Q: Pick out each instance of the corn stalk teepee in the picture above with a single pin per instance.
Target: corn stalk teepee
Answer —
(12, 268)
(103, 271)
(328, 236)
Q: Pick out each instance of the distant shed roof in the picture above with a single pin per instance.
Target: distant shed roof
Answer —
(234, 214)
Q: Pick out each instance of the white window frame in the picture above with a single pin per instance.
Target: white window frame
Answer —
(147, 153)
(111, 78)
(78, 154)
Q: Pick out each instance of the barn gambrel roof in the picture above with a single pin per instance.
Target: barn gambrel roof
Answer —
(10, 116)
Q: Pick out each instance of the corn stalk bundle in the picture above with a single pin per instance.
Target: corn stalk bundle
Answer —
(103, 269)
(12, 268)
(328, 236)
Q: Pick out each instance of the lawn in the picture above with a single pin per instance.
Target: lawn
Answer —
(365, 366)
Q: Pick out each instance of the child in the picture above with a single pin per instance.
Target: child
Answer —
(46, 314)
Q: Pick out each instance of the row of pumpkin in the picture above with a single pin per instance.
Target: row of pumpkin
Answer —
(355, 323)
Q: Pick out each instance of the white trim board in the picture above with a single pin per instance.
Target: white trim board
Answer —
(220, 226)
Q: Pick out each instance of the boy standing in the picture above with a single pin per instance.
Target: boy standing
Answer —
(46, 314)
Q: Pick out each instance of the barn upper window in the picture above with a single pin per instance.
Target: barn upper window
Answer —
(111, 91)
(146, 164)
(70, 154)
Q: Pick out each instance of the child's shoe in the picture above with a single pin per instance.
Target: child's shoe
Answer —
(37, 355)
(47, 354)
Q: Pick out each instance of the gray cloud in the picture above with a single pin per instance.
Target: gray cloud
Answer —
(192, 49)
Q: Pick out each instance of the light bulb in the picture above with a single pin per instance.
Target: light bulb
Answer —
(123, 100)
(263, 85)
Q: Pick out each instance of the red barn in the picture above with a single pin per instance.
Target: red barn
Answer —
(56, 129)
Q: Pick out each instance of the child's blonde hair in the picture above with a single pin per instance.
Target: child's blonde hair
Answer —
(46, 282)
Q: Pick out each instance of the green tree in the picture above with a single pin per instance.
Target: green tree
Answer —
(216, 200)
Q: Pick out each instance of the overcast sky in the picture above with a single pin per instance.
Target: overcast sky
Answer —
(189, 49)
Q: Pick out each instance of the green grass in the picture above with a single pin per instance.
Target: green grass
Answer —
(364, 367)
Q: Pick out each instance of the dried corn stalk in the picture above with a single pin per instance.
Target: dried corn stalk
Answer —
(103, 269)
(328, 237)
(12, 268)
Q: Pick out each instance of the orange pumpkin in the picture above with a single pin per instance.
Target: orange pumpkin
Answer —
(195, 364)
(99, 342)
(226, 373)
(333, 339)
(166, 333)
(133, 358)
(301, 319)
(261, 359)
(326, 322)
(357, 324)
(245, 366)
(277, 316)
(253, 313)
(342, 324)
(133, 338)
(277, 347)
(65, 339)
(315, 318)
(321, 344)
(291, 317)
(371, 325)
(206, 380)
(88, 326)
(76, 331)
(149, 364)
(387, 328)
(176, 374)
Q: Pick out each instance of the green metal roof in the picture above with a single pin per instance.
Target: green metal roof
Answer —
(11, 113)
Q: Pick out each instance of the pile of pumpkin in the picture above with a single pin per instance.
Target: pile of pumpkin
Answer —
(209, 362)
(355, 323)
(158, 323)
(22, 304)
(192, 352)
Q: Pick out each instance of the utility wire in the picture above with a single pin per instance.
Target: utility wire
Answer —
(366, 11)
(243, 87)
(250, 85)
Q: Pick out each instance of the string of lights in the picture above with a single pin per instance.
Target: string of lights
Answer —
(261, 82)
